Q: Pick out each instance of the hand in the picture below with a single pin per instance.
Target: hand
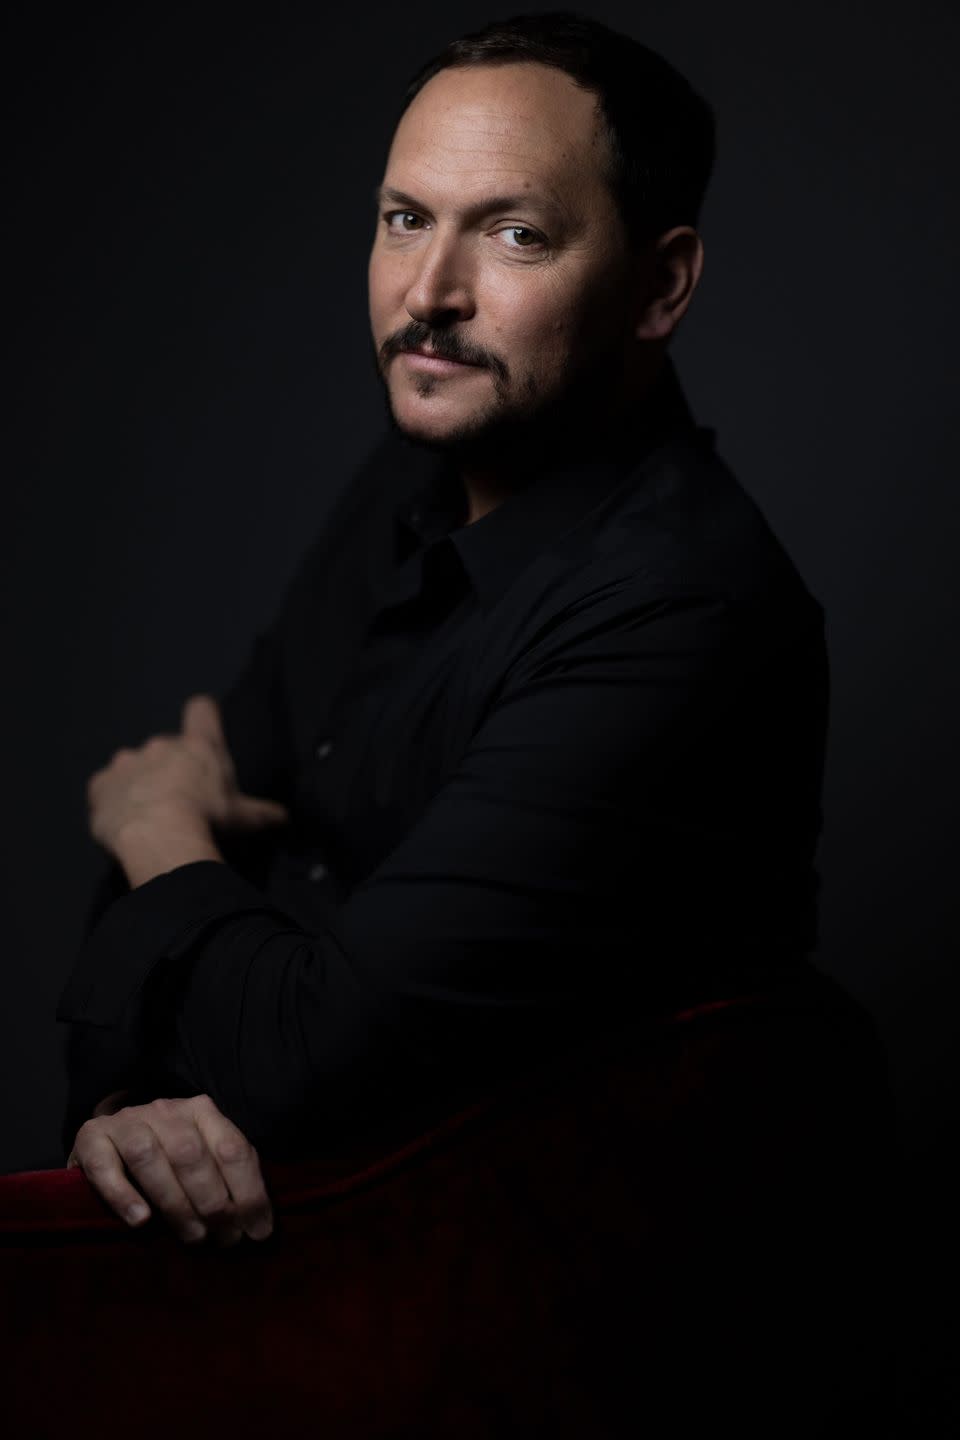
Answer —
(193, 1163)
(177, 785)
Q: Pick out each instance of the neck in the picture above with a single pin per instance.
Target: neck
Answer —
(489, 478)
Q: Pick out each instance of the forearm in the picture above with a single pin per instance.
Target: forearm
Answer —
(299, 1037)
(223, 994)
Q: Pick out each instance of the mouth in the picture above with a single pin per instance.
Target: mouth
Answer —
(435, 364)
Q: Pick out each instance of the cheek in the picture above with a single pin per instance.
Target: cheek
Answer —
(531, 319)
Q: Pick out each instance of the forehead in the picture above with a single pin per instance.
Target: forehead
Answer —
(526, 121)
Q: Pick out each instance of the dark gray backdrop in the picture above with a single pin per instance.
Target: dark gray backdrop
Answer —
(191, 217)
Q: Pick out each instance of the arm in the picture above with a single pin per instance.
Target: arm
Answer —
(114, 1061)
(257, 726)
(595, 850)
(104, 1064)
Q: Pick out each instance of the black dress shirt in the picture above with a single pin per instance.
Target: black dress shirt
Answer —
(547, 771)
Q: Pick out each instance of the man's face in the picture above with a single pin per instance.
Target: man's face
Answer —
(498, 243)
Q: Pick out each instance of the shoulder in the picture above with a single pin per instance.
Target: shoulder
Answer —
(681, 524)
(678, 553)
(689, 520)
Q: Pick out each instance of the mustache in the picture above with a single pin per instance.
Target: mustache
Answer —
(443, 344)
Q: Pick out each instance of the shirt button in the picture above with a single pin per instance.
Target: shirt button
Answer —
(323, 749)
(317, 872)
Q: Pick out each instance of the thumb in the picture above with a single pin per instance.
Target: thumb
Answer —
(249, 812)
(201, 718)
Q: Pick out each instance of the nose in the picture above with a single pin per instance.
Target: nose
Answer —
(441, 289)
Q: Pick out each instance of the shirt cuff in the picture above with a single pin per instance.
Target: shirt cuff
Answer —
(159, 919)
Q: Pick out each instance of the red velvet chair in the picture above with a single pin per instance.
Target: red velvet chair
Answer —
(679, 1229)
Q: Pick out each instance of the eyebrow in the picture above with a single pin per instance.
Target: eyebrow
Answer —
(476, 211)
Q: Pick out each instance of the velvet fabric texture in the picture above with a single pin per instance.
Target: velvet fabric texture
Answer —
(686, 1226)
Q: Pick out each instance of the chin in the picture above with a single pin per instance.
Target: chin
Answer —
(450, 430)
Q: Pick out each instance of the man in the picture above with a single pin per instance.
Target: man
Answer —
(535, 744)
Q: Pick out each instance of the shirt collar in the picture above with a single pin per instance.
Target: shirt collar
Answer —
(493, 549)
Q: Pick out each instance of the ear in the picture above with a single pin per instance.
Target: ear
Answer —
(673, 267)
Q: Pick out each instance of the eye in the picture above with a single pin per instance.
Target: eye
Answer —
(531, 244)
(407, 214)
(533, 241)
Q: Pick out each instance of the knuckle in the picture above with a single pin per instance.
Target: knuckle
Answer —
(216, 1208)
(140, 1147)
(185, 1149)
(233, 1148)
(98, 1162)
(168, 1111)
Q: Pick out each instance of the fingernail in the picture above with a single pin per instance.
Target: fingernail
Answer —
(261, 1230)
(136, 1213)
(194, 1230)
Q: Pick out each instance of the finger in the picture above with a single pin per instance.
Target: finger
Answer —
(249, 812)
(195, 1167)
(201, 717)
(95, 1153)
(239, 1165)
(144, 1152)
(201, 720)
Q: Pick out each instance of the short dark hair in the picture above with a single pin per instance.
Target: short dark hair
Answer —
(661, 133)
